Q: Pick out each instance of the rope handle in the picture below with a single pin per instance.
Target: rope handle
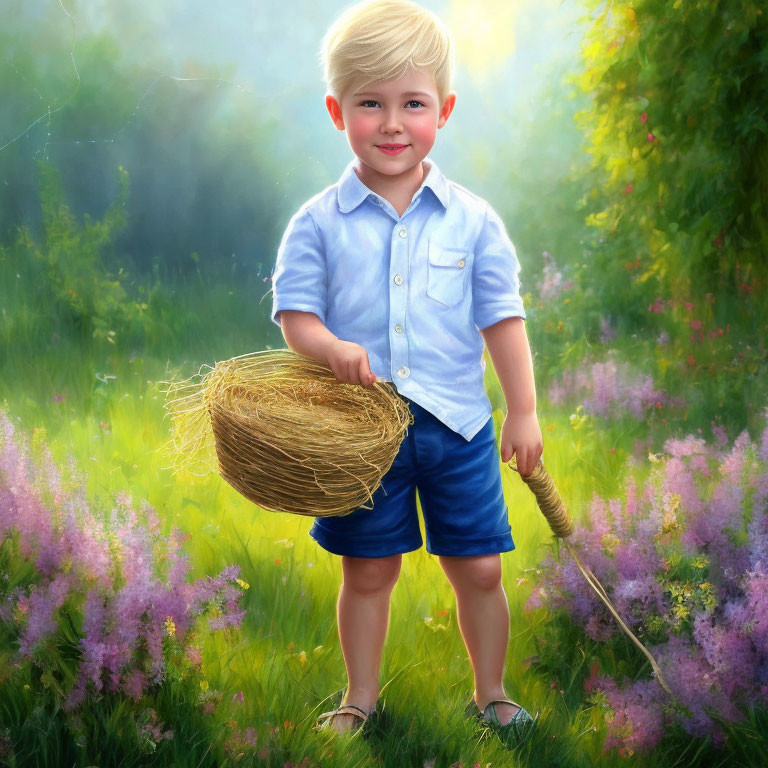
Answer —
(547, 497)
(552, 507)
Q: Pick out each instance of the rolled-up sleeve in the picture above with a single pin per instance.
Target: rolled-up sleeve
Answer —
(299, 281)
(495, 274)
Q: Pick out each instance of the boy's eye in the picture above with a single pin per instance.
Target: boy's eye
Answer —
(372, 102)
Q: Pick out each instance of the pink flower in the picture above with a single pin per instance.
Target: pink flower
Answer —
(651, 137)
(644, 117)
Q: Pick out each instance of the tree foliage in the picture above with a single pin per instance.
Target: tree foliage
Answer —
(678, 135)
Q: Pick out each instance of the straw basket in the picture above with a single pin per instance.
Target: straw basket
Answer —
(286, 434)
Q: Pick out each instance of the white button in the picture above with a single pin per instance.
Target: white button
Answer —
(398, 328)
(403, 372)
(398, 279)
(461, 263)
(403, 232)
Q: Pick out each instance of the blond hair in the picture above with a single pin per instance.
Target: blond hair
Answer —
(380, 39)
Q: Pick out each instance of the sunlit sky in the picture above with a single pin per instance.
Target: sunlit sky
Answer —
(504, 55)
(510, 58)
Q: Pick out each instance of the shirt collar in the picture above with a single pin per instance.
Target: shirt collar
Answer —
(351, 191)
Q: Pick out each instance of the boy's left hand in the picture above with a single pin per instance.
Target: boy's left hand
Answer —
(521, 437)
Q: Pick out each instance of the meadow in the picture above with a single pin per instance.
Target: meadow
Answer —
(153, 618)
(258, 687)
(278, 670)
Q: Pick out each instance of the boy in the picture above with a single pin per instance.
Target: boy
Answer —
(397, 273)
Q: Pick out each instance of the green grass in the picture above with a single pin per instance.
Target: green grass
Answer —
(114, 428)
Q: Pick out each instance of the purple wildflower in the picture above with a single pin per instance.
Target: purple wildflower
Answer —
(688, 556)
(127, 577)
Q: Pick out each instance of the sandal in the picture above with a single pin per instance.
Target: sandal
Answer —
(325, 721)
(511, 733)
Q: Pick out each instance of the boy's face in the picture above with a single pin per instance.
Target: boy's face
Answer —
(391, 125)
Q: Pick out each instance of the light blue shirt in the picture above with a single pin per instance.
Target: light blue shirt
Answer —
(413, 290)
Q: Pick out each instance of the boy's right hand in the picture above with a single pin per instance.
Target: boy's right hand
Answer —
(349, 363)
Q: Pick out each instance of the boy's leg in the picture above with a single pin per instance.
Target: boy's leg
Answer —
(363, 616)
(483, 615)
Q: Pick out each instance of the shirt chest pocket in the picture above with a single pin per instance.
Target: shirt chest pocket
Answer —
(448, 271)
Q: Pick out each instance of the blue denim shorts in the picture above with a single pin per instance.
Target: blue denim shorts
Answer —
(459, 486)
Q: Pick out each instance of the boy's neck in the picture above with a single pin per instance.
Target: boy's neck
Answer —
(399, 190)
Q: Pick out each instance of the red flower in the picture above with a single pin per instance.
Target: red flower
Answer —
(651, 137)
(691, 360)
(628, 190)
(696, 324)
(644, 118)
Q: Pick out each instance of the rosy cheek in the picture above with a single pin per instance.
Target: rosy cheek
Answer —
(423, 131)
(360, 124)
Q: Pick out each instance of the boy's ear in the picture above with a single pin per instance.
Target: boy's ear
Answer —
(446, 109)
(335, 111)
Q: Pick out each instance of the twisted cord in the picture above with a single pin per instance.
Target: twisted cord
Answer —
(552, 507)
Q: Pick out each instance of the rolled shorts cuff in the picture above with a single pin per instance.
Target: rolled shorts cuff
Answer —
(361, 547)
(462, 547)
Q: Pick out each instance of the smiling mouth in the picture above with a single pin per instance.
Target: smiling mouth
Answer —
(391, 146)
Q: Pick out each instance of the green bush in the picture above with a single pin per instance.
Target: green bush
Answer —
(58, 282)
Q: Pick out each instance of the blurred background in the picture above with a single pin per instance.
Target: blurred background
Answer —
(151, 155)
(193, 132)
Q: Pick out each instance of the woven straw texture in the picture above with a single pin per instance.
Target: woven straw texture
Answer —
(281, 430)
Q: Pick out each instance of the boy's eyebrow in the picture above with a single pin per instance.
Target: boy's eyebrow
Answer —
(409, 93)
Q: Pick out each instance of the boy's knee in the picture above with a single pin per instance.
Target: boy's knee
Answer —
(369, 575)
(473, 573)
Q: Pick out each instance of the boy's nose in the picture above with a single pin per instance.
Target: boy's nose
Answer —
(391, 123)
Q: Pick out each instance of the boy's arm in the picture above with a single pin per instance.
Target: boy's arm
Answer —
(510, 353)
(305, 333)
